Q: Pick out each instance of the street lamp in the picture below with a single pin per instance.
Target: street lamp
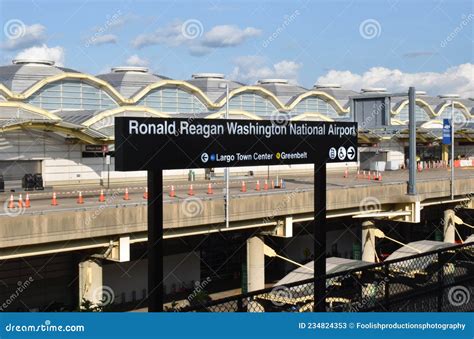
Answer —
(450, 98)
(226, 170)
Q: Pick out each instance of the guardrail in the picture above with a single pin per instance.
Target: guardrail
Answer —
(441, 280)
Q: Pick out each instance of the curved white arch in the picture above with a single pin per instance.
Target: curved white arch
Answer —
(121, 100)
(111, 112)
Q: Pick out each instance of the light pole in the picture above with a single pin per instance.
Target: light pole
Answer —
(451, 97)
(226, 170)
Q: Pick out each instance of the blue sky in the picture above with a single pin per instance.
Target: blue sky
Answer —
(246, 40)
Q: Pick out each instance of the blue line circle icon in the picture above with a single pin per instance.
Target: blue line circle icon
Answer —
(213, 157)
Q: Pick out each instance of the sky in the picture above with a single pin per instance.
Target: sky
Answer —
(377, 43)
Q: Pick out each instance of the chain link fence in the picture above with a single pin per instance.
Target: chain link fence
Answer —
(441, 280)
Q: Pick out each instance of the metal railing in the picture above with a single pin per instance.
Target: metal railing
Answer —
(440, 280)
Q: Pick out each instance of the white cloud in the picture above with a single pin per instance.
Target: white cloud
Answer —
(135, 60)
(228, 36)
(170, 35)
(458, 79)
(102, 39)
(190, 35)
(23, 36)
(251, 68)
(199, 50)
(43, 52)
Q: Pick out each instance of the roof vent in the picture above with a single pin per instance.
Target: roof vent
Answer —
(208, 76)
(326, 86)
(33, 61)
(124, 69)
(374, 90)
(273, 81)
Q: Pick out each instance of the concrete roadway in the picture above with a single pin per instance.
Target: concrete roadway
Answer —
(67, 198)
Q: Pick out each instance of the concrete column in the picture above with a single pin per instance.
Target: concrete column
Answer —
(449, 226)
(470, 203)
(445, 152)
(90, 281)
(368, 241)
(368, 291)
(255, 264)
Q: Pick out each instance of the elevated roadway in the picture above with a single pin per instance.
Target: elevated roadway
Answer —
(43, 228)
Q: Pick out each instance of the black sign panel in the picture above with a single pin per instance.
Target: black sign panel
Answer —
(165, 143)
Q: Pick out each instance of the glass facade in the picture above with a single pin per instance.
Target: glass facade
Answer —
(69, 94)
(253, 103)
(458, 114)
(420, 114)
(172, 100)
(316, 105)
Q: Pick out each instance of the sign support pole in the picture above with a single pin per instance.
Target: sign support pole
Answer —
(319, 237)
(155, 241)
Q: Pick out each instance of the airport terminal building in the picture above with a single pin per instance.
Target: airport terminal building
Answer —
(60, 122)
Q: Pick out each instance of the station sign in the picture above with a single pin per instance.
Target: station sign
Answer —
(96, 148)
(169, 143)
(446, 131)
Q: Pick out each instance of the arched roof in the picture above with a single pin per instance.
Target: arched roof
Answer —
(212, 105)
(21, 76)
(432, 112)
(129, 83)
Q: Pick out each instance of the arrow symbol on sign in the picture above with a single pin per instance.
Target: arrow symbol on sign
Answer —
(351, 153)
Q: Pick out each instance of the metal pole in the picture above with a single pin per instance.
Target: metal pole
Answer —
(452, 149)
(103, 169)
(227, 197)
(319, 235)
(412, 142)
(155, 241)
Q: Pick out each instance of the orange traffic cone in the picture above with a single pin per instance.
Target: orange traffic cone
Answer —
(126, 196)
(244, 187)
(172, 192)
(27, 201)
(20, 201)
(145, 194)
(265, 185)
(365, 175)
(11, 204)
(190, 191)
(257, 186)
(80, 199)
(209, 189)
(358, 174)
(346, 173)
(380, 176)
(54, 201)
(101, 196)
(273, 184)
